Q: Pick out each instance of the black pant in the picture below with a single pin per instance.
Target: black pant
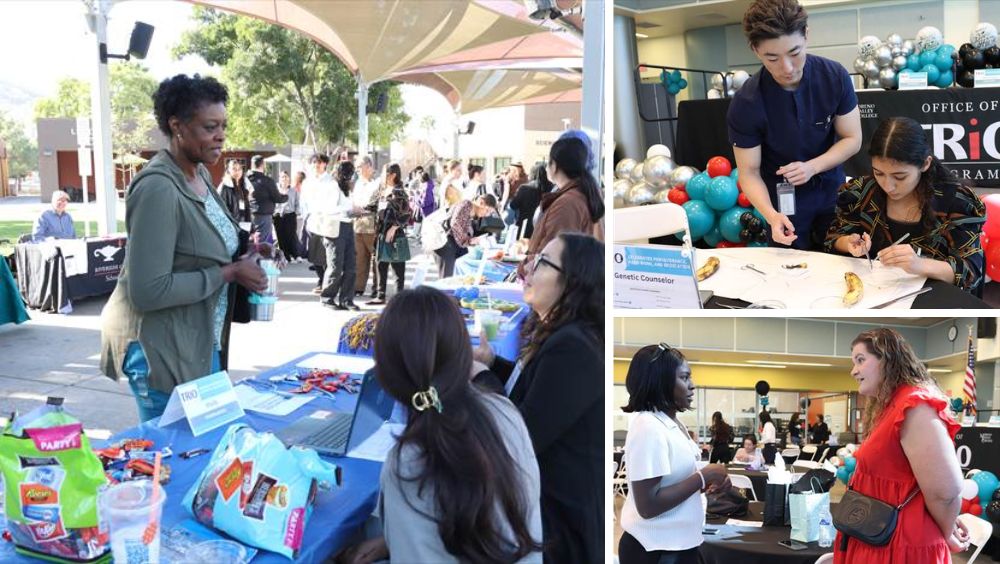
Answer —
(284, 226)
(630, 551)
(340, 266)
(721, 453)
(383, 276)
(769, 453)
(446, 256)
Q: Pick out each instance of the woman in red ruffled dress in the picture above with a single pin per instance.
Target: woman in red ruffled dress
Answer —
(909, 446)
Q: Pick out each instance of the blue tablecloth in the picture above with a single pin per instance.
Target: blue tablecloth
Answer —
(495, 271)
(337, 516)
(11, 305)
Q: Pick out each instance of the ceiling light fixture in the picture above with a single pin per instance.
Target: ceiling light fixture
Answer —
(789, 363)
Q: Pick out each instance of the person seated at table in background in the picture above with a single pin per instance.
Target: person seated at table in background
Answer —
(462, 482)
(529, 195)
(662, 518)
(910, 193)
(55, 223)
(558, 385)
(908, 450)
(749, 453)
(722, 435)
(767, 437)
(167, 321)
(575, 205)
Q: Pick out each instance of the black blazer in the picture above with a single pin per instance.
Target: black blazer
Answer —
(560, 394)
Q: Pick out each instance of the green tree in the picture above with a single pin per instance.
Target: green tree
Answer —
(283, 86)
(72, 99)
(22, 154)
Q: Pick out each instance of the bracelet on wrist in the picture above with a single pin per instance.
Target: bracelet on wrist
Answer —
(702, 476)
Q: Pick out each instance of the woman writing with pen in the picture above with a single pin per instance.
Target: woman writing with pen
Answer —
(911, 212)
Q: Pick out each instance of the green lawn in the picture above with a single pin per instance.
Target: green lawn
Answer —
(11, 230)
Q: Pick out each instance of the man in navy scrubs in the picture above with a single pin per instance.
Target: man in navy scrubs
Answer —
(792, 125)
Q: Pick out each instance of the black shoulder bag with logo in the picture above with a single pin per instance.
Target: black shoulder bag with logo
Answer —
(867, 519)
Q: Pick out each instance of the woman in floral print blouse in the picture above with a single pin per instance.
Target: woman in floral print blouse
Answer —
(911, 192)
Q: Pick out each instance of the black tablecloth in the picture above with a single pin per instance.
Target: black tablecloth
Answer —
(42, 278)
(943, 296)
(749, 545)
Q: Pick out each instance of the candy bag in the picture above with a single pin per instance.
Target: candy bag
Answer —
(51, 479)
(259, 492)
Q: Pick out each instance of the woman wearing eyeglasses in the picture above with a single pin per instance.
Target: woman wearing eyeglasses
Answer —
(663, 517)
(558, 385)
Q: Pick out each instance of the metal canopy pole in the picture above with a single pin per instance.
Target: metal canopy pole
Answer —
(362, 116)
(100, 109)
(592, 108)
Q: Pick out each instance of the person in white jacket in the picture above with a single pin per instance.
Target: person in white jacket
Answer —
(331, 214)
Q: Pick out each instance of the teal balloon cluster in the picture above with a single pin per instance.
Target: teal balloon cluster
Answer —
(936, 63)
(673, 81)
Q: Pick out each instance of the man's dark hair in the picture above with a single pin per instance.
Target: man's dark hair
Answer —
(256, 161)
(319, 157)
(474, 170)
(182, 95)
(771, 19)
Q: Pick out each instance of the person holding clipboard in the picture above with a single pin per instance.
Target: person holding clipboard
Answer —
(792, 125)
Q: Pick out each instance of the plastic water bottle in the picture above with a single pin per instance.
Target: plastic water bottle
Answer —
(826, 530)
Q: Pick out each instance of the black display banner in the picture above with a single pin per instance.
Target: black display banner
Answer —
(105, 257)
(979, 448)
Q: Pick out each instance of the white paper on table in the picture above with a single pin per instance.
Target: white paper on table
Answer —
(341, 362)
(819, 286)
(74, 253)
(742, 523)
(269, 403)
(377, 446)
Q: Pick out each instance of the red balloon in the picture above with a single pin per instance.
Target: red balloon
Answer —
(729, 245)
(993, 261)
(743, 201)
(965, 506)
(719, 166)
(976, 509)
(984, 241)
(992, 227)
(678, 196)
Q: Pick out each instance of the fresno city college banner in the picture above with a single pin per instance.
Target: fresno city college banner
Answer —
(962, 125)
(979, 448)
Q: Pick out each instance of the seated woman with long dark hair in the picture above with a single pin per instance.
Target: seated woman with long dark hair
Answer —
(558, 384)
(462, 482)
(911, 193)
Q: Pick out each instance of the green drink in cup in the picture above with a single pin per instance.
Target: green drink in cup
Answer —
(490, 320)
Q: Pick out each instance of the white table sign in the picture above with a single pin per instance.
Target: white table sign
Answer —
(654, 276)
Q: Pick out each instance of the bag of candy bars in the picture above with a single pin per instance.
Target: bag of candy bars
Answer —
(51, 479)
(259, 492)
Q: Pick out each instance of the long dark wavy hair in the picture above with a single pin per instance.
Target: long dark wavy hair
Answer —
(582, 298)
(345, 177)
(570, 155)
(903, 140)
(421, 341)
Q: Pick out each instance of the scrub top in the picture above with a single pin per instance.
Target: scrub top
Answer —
(792, 126)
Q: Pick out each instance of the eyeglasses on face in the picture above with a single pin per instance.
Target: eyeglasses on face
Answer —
(539, 259)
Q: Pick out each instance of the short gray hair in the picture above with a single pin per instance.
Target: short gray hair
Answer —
(365, 160)
(58, 195)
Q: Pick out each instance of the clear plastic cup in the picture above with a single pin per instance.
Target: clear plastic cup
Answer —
(217, 552)
(489, 321)
(128, 509)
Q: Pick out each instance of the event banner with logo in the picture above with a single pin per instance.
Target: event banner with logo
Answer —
(962, 125)
(105, 257)
(979, 448)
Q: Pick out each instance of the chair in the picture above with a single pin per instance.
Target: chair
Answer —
(619, 483)
(744, 483)
(791, 452)
(979, 532)
(823, 454)
(807, 464)
(810, 450)
(825, 559)
(640, 223)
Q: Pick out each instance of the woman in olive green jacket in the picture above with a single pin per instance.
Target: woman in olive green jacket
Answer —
(167, 321)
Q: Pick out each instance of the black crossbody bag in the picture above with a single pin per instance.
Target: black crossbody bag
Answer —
(867, 519)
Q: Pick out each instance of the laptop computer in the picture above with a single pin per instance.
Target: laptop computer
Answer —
(335, 434)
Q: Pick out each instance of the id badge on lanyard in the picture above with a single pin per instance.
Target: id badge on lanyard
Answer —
(786, 197)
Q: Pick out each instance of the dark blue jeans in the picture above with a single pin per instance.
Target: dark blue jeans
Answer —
(151, 403)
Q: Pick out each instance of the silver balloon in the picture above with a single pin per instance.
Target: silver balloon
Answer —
(658, 149)
(894, 39)
(636, 173)
(662, 197)
(681, 175)
(639, 194)
(624, 167)
(619, 203)
(717, 81)
(859, 65)
(656, 171)
(898, 63)
(908, 47)
(871, 70)
(740, 77)
(883, 56)
(887, 78)
(897, 51)
(621, 187)
(867, 46)
(714, 94)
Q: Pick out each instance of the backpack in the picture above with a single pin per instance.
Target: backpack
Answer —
(434, 233)
(728, 503)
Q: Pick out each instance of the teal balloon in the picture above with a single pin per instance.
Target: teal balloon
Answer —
(701, 218)
(697, 186)
(932, 73)
(713, 237)
(945, 80)
(943, 62)
(913, 62)
(987, 482)
(927, 58)
(683, 83)
(850, 463)
(946, 50)
(676, 74)
(735, 174)
(721, 193)
(957, 404)
(843, 474)
(757, 244)
(729, 223)
(757, 213)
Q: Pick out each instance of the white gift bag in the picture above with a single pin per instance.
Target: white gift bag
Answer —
(805, 509)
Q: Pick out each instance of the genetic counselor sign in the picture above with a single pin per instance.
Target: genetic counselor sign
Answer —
(962, 125)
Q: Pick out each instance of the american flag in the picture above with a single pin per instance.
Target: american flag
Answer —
(970, 377)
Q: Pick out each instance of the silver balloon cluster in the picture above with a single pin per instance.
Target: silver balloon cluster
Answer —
(733, 82)
(648, 181)
(882, 62)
